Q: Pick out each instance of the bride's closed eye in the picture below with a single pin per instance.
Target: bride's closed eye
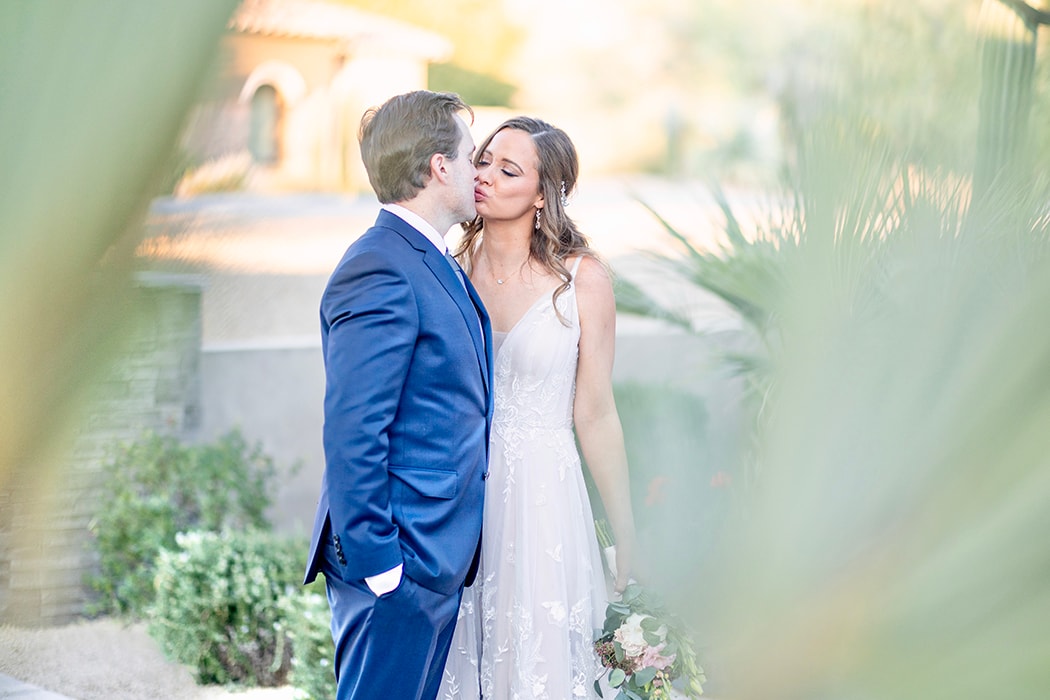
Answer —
(482, 163)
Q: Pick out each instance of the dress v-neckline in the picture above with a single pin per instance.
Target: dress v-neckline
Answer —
(532, 306)
(547, 295)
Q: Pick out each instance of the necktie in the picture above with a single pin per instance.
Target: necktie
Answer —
(457, 268)
(463, 281)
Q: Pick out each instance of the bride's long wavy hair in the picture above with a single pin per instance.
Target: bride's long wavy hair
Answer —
(557, 237)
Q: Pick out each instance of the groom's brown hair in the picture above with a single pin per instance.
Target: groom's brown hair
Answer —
(399, 137)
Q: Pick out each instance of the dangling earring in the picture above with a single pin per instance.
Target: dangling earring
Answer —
(538, 210)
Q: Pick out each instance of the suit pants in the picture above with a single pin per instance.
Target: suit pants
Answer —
(392, 646)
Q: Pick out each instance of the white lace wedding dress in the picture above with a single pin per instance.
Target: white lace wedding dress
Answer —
(526, 627)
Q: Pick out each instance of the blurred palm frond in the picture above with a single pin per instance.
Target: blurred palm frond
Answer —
(93, 97)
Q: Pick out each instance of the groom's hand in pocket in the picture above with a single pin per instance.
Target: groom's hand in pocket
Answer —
(383, 583)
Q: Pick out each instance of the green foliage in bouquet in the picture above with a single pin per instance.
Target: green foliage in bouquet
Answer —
(219, 605)
(156, 487)
(308, 619)
(646, 650)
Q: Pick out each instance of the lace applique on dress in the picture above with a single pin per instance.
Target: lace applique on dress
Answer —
(526, 627)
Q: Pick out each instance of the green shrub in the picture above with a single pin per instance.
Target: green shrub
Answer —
(474, 87)
(156, 487)
(218, 606)
(670, 454)
(308, 620)
(665, 436)
(681, 473)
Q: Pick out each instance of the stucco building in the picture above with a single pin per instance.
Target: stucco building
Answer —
(291, 81)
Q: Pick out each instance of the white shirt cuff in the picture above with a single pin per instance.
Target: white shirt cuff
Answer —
(386, 581)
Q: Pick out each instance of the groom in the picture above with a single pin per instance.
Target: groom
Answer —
(407, 410)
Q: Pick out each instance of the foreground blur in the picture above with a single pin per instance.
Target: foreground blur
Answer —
(891, 544)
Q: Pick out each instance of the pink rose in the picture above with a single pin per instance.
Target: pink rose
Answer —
(652, 657)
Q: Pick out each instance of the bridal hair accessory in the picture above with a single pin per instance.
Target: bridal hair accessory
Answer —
(538, 210)
(564, 197)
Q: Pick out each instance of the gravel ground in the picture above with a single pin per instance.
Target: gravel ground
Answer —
(107, 660)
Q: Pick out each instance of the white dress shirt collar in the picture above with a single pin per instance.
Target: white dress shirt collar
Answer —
(420, 224)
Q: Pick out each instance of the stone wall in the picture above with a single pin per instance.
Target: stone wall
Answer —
(45, 513)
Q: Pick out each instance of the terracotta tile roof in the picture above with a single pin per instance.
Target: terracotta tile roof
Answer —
(315, 19)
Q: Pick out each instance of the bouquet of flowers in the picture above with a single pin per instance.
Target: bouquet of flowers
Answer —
(645, 651)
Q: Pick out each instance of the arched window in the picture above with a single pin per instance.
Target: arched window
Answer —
(264, 138)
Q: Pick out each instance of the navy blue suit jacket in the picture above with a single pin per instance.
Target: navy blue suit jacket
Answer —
(408, 408)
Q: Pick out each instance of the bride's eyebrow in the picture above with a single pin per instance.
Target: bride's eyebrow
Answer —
(508, 161)
(488, 154)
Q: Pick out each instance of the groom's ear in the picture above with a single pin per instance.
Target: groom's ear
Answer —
(439, 167)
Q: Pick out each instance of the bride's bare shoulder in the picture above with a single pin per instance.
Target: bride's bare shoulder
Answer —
(594, 290)
(592, 275)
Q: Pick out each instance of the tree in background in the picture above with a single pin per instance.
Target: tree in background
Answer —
(484, 43)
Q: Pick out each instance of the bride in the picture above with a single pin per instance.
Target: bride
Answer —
(526, 627)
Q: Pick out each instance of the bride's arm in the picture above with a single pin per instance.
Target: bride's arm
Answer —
(594, 412)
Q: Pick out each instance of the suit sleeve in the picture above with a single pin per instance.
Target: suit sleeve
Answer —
(371, 316)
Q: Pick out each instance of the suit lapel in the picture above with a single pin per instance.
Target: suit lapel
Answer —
(486, 328)
(469, 304)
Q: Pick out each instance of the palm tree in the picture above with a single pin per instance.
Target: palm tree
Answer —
(903, 381)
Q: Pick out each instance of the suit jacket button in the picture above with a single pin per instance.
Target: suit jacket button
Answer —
(485, 476)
